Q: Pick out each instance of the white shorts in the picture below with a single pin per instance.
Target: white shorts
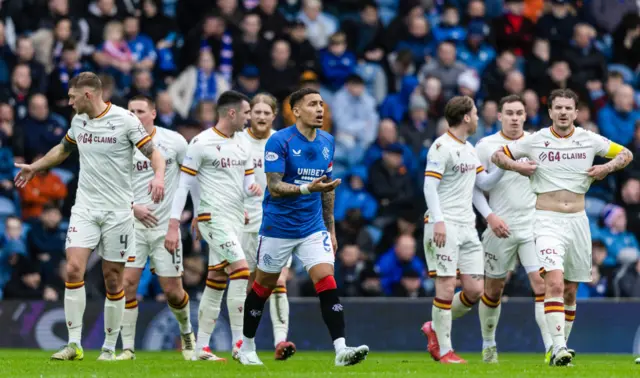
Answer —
(274, 253)
(500, 254)
(224, 244)
(110, 233)
(461, 254)
(563, 242)
(249, 242)
(150, 245)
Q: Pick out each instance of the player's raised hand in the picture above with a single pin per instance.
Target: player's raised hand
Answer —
(195, 231)
(598, 171)
(156, 188)
(499, 228)
(145, 216)
(255, 190)
(172, 239)
(526, 168)
(24, 176)
(321, 185)
(246, 217)
(439, 234)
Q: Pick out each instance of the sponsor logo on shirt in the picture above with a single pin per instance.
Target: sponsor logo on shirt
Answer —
(271, 156)
(558, 156)
(89, 138)
(464, 168)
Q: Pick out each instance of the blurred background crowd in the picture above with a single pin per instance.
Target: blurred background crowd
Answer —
(385, 69)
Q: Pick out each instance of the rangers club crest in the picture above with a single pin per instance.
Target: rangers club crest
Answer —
(325, 153)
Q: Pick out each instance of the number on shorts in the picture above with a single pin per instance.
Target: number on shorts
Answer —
(176, 257)
(325, 242)
(124, 240)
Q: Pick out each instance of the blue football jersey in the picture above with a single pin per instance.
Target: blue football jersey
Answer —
(301, 161)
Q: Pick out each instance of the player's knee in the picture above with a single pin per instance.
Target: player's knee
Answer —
(493, 288)
(570, 293)
(268, 280)
(554, 285)
(445, 287)
(474, 293)
(75, 271)
(130, 287)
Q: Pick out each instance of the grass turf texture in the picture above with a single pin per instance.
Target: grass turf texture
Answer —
(36, 363)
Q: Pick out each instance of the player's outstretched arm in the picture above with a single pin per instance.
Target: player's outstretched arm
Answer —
(279, 188)
(156, 186)
(55, 156)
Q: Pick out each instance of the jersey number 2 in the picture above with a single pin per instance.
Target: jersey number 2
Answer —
(325, 242)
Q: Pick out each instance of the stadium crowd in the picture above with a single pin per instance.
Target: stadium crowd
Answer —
(385, 70)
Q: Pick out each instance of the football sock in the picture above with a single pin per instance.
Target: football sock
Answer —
(75, 301)
(332, 310)
(209, 310)
(442, 320)
(542, 322)
(253, 309)
(236, 295)
(554, 314)
(113, 311)
(489, 310)
(182, 313)
(279, 309)
(129, 319)
(569, 317)
(461, 305)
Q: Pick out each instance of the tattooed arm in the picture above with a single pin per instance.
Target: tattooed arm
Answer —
(279, 188)
(328, 200)
(503, 161)
(622, 159)
(156, 186)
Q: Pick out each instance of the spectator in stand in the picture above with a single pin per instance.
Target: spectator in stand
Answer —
(607, 14)
(536, 118)
(349, 267)
(210, 34)
(251, 48)
(353, 195)
(280, 75)
(626, 41)
(197, 84)
(537, 65)
(142, 85)
(496, 73)
(273, 21)
(513, 31)
(45, 187)
(101, 12)
(597, 288)
(6, 167)
(114, 55)
(416, 132)
(352, 230)
(10, 135)
(46, 242)
(419, 41)
(356, 119)
(627, 281)
(588, 65)
(205, 114)
(302, 52)
(44, 129)
(231, 13)
(603, 97)
(365, 31)
(393, 263)
(410, 285)
(475, 52)
(584, 118)
(390, 182)
(370, 68)
(617, 121)
(109, 93)
(446, 68)
(559, 77)
(395, 106)
(19, 91)
(388, 135)
(488, 123)
(166, 117)
(12, 247)
(141, 46)
(155, 24)
(308, 79)
(614, 234)
(336, 62)
(370, 282)
(68, 67)
(320, 26)
(25, 54)
(449, 28)
(248, 81)
(557, 26)
(468, 83)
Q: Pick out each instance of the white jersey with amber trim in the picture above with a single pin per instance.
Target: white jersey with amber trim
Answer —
(173, 148)
(455, 163)
(105, 145)
(562, 161)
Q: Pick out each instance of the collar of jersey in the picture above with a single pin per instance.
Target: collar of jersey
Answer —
(455, 137)
(553, 132)
(219, 132)
(507, 138)
(104, 112)
(251, 134)
(153, 132)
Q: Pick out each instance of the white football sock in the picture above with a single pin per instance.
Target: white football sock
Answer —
(460, 306)
(279, 309)
(554, 314)
(489, 311)
(569, 317)
(129, 319)
(236, 295)
(208, 311)
(75, 302)
(339, 344)
(182, 313)
(442, 321)
(542, 322)
(113, 311)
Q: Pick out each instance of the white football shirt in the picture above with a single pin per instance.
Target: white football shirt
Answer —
(562, 161)
(173, 148)
(253, 205)
(512, 198)
(105, 145)
(455, 163)
(220, 164)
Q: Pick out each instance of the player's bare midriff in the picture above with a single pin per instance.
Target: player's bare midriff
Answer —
(561, 201)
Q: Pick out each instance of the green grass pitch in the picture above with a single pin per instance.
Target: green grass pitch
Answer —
(36, 363)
